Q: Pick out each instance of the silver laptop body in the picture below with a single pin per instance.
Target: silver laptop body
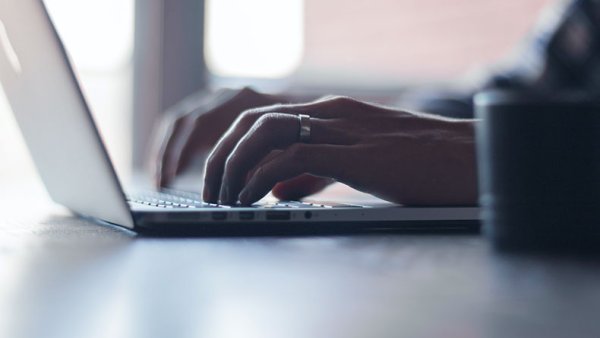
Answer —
(61, 135)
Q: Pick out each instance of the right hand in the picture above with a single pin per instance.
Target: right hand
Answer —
(190, 131)
(403, 157)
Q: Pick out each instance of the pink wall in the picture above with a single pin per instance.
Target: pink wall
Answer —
(413, 38)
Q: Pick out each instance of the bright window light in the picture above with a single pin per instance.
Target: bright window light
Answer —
(257, 38)
(98, 34)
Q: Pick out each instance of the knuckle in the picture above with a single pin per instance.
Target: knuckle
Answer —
(247, 90)
(230, 165)
(248, 117)
(179, 124)
(342, 99)
(180, 119)
(211, 155)
(210, 160)
(335, 101)
(267, 121)
(169, 125)
(197, 121)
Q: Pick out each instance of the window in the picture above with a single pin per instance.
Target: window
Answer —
(332, 42)
(258, 38)
(375, 40)
(98, 34)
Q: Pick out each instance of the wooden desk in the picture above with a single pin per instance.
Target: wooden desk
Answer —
(64, 277)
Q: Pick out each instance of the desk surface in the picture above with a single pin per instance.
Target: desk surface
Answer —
(65, 277)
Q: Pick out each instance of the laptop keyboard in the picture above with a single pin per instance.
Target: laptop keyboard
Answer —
(173, 199)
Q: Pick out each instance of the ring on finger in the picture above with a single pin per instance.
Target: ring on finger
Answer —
(304, 134)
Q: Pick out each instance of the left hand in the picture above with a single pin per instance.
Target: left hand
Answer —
(402, 157)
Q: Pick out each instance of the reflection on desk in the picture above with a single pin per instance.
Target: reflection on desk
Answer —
(64, 277)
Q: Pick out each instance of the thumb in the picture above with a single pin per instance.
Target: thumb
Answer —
(300, 186)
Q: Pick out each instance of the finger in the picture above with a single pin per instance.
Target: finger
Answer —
(195, 144)
(271, 131)
(208, 127)
(215, 163)
(179, 147)
(168, 153)
(264, 160)
(299, 187)
(319, 160)
(295, 188)
(186, 156)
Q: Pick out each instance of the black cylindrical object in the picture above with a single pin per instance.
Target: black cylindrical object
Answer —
(539, 169)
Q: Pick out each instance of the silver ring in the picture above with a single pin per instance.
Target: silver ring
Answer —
(304, 136)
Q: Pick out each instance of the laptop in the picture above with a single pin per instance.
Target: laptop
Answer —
(69, 155)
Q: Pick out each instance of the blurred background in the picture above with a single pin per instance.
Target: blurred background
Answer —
(136, 58)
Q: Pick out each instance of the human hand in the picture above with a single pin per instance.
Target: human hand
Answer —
(402, 157)
(193, 127)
